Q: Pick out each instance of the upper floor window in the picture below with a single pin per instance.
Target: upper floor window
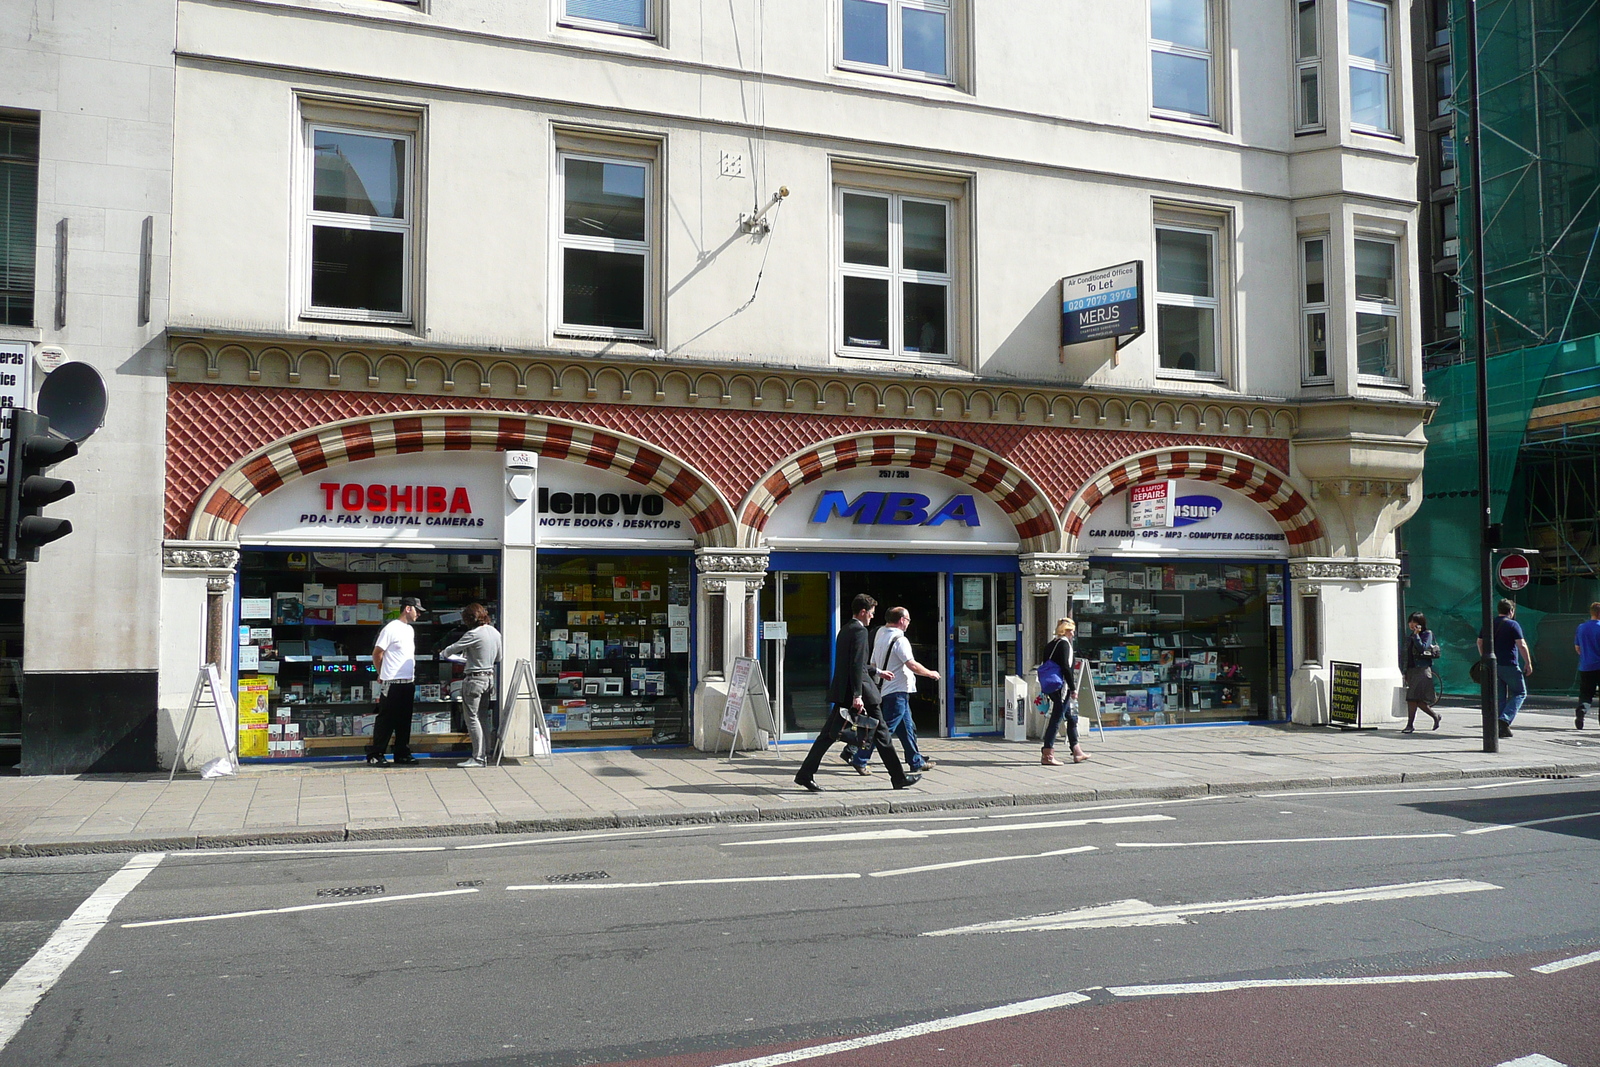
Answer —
(908, 37)
(1188, 301)
(1314, 308)
(634, 17)
(1445, 148)
(1308, 65)
(359, 217)
(895, 275)
(1181, 35)
(19, 196)
(1371, 66)
(1377, 310)
(605, 244)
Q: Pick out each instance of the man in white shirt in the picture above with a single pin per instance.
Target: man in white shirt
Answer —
(394, 655)
(891, 655)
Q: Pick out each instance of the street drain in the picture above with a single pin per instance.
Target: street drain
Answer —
(351, 891)
(1555, 777)
(579, 876)
(472, 884)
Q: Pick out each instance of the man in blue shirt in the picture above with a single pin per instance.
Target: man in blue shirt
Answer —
(1587, 643)
(1512, 664)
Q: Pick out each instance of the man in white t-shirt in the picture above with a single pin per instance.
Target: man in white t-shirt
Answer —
(394, 655)
(891, 655)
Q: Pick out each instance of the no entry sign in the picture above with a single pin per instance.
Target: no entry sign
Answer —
(1514, 571)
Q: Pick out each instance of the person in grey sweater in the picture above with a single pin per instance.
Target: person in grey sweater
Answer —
(479, 650)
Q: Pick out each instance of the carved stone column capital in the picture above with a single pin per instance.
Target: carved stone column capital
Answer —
(1344, 570)
(740, 563)
(714, 585)
(1073, 567)
(208, 557)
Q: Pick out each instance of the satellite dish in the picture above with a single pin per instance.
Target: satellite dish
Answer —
(73, 398)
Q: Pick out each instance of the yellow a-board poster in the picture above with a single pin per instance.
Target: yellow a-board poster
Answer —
(253, 716)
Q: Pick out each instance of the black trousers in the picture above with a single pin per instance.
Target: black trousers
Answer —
(394, 717)
(830, 735)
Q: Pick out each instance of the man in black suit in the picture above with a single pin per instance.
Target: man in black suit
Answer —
(851, 675)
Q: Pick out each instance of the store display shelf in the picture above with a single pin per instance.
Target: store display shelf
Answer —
(424, 741)
(618, 734)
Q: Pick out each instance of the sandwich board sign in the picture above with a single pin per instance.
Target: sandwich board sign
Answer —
(1344, 695)
(747, 696)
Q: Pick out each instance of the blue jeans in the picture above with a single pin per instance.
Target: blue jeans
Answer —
(896, 712)
(1060, 709)
(1513, 690)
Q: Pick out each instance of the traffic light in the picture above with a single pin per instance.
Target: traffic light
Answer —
(33, 450)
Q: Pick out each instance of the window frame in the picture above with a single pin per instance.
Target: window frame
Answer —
(1213, 115)
(28, 242)
(650, 31)
(1309, 307)
(640, 154)
(406, 126)
(1389, 71)
(1308, 63)
(896, 50)
(1395, 310)
(895, 273)
(1214, 226)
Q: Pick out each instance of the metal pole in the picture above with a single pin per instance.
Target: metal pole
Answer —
(1486, 546)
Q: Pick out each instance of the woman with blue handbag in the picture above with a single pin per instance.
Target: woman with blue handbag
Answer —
(1057, 681)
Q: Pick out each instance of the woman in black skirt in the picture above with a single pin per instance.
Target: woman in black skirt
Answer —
(1422, 685)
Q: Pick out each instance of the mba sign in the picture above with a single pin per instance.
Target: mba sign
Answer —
(895, 509)
(890, 510)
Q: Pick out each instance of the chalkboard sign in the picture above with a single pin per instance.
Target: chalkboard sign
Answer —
(1344, 694)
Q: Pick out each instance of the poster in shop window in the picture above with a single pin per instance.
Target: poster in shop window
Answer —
(14, 386)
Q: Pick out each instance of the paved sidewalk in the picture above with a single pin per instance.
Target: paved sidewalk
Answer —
(302, 802)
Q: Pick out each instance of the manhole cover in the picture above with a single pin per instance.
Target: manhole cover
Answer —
(580, 876)
(351, 891)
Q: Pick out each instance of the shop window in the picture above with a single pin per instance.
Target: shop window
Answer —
(1314, 308)
(360, 206)
(605, 254)
(19, 193)
(1181, 69)
(1371, 66)
(307, 624)
(613, 647)
(1189, 304)
(633, 17)
(896, 275)
(1182, 642)
(1308, 66)
(911, 38)
(1377, 310)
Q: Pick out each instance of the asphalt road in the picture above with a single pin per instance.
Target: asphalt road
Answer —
(1048, 935)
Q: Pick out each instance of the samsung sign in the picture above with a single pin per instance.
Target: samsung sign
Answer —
(1188, 510)
(1103, 303)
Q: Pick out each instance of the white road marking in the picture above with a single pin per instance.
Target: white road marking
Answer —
(1535, 822)
(1396, 789)
(853, 820)
(1535, 1060)
(22, 993)
(1276, 840)
(973, 863)
(1568, 963)
(297, 907)
(1293, 983)
(1124, 913)
(971, 1018)
(335, 849)
(1078, 809)
(685, 881)
(917, 835)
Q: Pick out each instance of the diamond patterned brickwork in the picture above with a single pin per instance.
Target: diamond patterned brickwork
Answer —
(210, 427)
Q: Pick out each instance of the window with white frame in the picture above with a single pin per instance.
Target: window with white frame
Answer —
(1377, 310)
(1314, 308)
(1371, 66)
(359, 230)
(895, 275)
(906, 37)
(1308, 65)
(634, 17)
(1181, 35)
(604, 244)
(1188, 301)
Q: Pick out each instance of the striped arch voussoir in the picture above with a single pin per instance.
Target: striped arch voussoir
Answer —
(225, 502)
(1253, 478)
(1001, 482)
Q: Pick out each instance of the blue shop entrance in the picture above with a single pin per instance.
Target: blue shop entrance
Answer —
(964, 624)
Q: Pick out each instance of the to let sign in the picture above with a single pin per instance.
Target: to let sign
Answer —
(1344, 693)
(1103, 303)
(1515, 572)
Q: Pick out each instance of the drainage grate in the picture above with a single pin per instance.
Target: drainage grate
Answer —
(580, 876)
(1555, 777)
(351, 891)
(470, 885)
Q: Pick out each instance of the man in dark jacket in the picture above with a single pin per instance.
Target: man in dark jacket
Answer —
(851, 676)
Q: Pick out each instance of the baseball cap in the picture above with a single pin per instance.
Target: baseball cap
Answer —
(413, 602)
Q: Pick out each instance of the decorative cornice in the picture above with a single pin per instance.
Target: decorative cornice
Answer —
(217, 358)
(726, 564)
(1380, 487)
(1344, 570)
(209, 557)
